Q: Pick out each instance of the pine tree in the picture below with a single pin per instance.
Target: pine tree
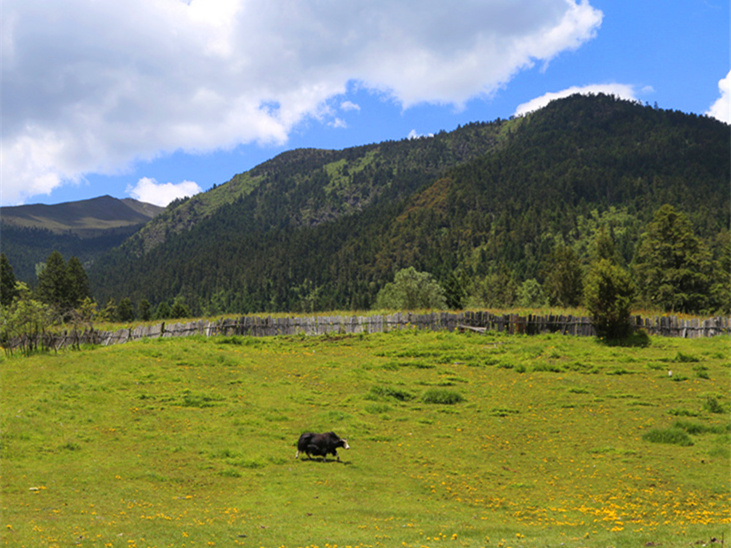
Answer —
(125, 310)
(179, 309)
(8, 291)
(78, 283)
(564, 280)
(163, 311)
(145, 310)
(109, 313)
(672, 265)
(53, 283)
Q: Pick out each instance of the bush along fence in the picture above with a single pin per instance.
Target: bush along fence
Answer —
(258, 326)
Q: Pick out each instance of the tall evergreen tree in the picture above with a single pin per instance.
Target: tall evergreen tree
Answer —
(53, 283)
(672, 265)
(564, 279)
(125, 310)
(605, 248)
(721, 288)
(78, 282)
(109, 313)
(179, 309)
(8, 291)
(145, 310)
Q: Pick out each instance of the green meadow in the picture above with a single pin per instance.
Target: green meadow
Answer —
(456, 440)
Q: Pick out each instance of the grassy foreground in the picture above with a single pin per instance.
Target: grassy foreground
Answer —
(456, 440)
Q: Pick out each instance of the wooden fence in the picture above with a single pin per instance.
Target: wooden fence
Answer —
(258, 326)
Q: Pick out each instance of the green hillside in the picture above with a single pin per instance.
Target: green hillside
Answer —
(330, 228)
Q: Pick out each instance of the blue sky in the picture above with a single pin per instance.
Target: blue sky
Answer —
(155, 99)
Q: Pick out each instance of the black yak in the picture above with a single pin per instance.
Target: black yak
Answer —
(320, 445)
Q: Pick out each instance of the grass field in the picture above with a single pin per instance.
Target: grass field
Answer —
(456, 440)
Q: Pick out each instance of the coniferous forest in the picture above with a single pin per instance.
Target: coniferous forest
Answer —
(499, 213)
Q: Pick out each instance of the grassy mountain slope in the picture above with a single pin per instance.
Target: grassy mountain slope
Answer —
(85, 228)
(84, 218)
(326, 229)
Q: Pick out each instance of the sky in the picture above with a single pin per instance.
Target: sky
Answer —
(160, 99)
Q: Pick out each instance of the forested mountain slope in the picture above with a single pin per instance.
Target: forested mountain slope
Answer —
(315, 229)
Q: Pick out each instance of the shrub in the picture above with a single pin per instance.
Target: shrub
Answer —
(411, 290)
(712, 405)
(674, 436)
(695, 428)
(377, 408)
(503, 412)
(442, 397)
(683, 413)
(547, 367)
(530, 294)
(685, 358)
(199, 400)
(384, 392)
(608, 295)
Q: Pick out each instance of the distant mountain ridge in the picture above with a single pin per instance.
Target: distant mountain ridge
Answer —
(84, 218)
(84, 228)
(323, 229)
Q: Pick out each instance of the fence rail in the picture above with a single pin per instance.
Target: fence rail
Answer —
(481, 321)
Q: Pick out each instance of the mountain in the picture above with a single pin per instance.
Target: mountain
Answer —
(323, 229)
(84, 229)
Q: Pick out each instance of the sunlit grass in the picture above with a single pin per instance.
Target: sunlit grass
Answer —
(535, 441)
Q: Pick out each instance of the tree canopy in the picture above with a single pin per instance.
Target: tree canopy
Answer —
(673, 265)
(411, 290)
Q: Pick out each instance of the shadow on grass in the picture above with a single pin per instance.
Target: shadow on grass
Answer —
(329, 461)
(638, 339)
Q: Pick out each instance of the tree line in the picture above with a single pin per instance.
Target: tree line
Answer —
(61, 296)
(672, 270)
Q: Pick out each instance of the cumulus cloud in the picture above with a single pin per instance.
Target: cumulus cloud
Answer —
(93, 87)
(721, 109)
(150, 191)
(413, 134)
(622, 91)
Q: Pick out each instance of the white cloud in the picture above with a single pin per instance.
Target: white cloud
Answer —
(348, 106)
(93, 87)
(721, 109)
(622, 91)
(413, 134)
(150, 191)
